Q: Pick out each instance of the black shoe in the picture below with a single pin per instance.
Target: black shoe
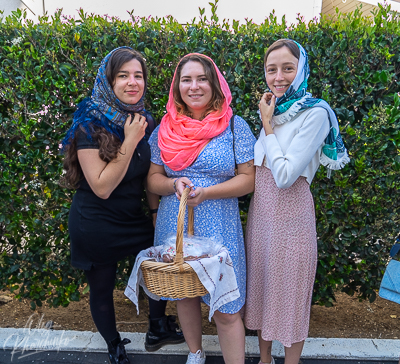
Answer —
(116, 351)
(163, 331)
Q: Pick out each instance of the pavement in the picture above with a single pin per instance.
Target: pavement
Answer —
(60, 346)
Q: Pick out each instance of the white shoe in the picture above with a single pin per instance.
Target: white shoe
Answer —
(197, 358)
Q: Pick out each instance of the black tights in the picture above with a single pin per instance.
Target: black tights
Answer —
(102, 283)
(157, 308)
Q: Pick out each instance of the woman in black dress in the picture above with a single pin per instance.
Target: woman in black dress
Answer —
(107, 158)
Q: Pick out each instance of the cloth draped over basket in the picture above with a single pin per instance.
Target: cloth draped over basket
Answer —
(182, 279)
(215, 273)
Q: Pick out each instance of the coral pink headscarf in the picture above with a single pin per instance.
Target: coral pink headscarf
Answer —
(181, 138)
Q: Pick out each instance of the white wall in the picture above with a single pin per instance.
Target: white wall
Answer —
(182, 10)
(258, 10)
(33, 7)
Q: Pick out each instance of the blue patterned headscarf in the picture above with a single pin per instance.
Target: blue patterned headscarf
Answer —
(103, 108)
(296, 99)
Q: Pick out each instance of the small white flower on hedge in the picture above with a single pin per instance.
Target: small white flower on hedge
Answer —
(16, 41)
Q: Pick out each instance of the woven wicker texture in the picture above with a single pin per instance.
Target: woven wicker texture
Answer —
(177, 279)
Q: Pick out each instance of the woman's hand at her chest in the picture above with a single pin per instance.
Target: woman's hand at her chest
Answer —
(135, 128)
(104, 177)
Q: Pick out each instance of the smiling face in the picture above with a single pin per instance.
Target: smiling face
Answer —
(281, 70)
(195, 89)
(129, 82)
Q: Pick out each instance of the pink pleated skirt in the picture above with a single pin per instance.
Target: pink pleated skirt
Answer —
(281, 244)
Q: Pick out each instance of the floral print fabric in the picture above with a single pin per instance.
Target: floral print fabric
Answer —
(215, 164)
(281, 248)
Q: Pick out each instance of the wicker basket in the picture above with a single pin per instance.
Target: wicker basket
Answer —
(177, 279)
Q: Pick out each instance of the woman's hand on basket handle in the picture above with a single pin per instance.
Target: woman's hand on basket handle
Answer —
(196, 197)
(241, 184)
(161, 185)
(180, 184)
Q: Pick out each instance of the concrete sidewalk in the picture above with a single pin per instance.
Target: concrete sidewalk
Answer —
(22, 341)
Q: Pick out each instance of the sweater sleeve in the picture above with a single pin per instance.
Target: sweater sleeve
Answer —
(287, 167)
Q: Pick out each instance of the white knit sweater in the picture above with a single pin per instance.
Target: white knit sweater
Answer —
(295, 147)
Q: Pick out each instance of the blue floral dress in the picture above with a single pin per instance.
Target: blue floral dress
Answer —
(215, 164)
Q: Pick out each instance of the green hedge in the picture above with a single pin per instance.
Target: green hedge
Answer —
(49, 67)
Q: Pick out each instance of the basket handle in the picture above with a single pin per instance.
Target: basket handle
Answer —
(179, 230)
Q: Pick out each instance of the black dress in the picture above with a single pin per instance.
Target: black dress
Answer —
(102, 231)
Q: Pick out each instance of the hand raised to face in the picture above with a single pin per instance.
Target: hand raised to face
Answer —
(267, 107)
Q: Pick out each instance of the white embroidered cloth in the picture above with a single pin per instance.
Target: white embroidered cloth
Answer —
(216, 274)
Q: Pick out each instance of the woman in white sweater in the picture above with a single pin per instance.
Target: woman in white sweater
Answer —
(299, 133)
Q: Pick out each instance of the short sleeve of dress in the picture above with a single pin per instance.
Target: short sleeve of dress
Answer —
(244, 141)
(83, 141)
(155, 149)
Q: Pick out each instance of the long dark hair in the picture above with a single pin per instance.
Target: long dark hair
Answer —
(109, 144)
(217, 98)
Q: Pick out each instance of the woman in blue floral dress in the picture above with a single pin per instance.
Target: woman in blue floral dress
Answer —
(194, 147)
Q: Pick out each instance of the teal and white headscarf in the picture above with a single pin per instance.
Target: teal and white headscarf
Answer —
(296, 99)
